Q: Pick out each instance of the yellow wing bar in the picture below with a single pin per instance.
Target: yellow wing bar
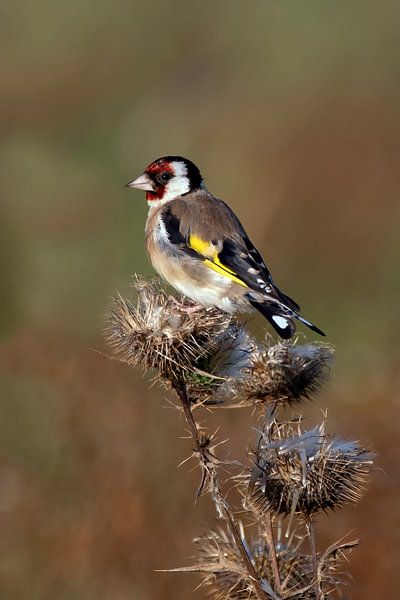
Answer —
(212, 260)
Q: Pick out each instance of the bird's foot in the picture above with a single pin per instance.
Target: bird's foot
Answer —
(188, 309)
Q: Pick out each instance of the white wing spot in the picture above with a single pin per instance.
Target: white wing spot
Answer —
(253, 271)
(280, 321)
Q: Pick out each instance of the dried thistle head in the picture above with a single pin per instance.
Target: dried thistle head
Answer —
(225, 578)
(283, 373)
(305, 472)
(219, 361)
(157, 333)
(227, 360)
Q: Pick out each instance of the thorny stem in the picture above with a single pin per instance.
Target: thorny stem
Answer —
(180, 389)
(311, 536)
(272, 552)
(270, 539)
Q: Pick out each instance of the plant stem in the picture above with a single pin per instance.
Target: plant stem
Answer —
(311, 536)
(269, 529)
(180, 389)
(272, 553)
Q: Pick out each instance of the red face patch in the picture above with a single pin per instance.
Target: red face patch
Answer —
(160, 172)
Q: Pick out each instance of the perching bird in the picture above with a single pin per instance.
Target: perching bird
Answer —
(197, 244)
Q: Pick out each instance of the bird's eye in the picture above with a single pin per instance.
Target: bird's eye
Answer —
(166, 176)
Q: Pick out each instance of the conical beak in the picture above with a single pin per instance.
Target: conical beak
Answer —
(141, 183)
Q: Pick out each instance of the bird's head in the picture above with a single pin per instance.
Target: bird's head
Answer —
(166, 178)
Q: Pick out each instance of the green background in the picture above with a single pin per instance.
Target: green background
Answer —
(291, 111)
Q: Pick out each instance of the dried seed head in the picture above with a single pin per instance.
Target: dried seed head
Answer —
(228, 358)
(157, 333)
(225, 578)
(219, 361)
(305, 472)
(283, 373)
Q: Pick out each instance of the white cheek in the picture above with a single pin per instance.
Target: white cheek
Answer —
(176, 187)
(179, 184)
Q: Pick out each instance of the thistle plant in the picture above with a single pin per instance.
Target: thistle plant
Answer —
(208, 358)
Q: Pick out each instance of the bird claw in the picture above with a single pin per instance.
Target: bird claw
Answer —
(189, 310)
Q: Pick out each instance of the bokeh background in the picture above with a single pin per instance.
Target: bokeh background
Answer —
(292, 112)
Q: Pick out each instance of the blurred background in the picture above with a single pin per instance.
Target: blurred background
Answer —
(291, 112)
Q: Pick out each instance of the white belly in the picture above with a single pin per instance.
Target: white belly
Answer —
(204, 287)
(213, 294)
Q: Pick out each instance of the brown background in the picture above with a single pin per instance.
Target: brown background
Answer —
(291, 111)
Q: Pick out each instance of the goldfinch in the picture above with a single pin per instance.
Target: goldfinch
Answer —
(198, 245)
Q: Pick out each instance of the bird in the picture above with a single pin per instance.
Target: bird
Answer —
(198, 245)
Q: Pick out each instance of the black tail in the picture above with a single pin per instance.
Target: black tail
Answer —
(310, 325)
(281, 318)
